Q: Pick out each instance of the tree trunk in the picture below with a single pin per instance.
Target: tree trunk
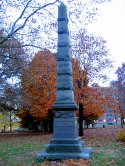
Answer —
(51, 126)
(10, 121)
(122, 121)
(87, 125)
(50, 121)
(4, 129)
(81, 120)
(45, 125)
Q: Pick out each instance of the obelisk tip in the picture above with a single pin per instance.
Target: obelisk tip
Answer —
(62, 11)
(62, 4)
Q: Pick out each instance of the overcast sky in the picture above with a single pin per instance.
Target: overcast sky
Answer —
(110, 25)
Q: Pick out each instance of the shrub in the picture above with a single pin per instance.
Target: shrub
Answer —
(121, 135)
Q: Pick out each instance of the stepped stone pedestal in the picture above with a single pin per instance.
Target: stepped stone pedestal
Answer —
(65, 142)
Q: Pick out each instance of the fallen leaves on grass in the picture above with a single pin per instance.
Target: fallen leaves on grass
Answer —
(102, 140)
(70, 162)
(105, 135)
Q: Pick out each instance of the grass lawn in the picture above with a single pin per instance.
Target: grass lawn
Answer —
(107, 150)
(108, 155)
(20, 149)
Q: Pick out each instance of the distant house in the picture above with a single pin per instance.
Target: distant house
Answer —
(110, 118)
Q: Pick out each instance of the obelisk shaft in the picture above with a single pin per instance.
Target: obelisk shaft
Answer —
(64, 65)
(64, 88)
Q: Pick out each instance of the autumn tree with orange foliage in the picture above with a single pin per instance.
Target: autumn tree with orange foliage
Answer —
(90, 99)
(91, 58)
(39, 85)
(111, 98)
(93, 100)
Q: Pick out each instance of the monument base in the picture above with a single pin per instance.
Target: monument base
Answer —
(65, 143)
(84, 154)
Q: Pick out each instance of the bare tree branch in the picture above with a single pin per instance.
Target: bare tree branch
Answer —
(25, 45)
(13, 31)
(20, 15)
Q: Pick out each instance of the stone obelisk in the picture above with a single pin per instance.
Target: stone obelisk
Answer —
(65, 143)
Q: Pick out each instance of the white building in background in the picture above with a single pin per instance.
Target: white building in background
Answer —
(110, 118)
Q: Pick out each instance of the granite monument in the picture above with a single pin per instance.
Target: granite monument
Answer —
(65, 142)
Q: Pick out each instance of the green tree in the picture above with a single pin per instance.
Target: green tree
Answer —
(4, 122)
(12, 63)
